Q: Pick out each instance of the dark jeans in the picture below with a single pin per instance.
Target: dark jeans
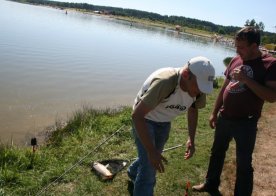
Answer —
(244, 134)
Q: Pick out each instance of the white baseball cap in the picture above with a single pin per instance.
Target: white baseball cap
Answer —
(204, 71)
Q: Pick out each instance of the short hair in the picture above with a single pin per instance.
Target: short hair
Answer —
(249, 34)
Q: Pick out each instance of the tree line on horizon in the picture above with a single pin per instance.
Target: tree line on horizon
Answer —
(267, 37)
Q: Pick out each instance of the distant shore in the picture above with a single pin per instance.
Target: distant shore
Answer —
(226, 39)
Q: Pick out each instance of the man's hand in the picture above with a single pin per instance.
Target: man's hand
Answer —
(190, 150)
(156, 159)
(239, 74)
(213, 121)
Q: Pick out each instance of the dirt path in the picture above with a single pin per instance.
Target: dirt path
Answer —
(264, 159)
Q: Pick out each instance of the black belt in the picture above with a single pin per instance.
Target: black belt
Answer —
(249, 117)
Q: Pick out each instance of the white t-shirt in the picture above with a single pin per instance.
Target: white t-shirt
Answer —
(161, 91)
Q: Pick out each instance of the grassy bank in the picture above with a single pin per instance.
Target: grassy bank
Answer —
(23, 172)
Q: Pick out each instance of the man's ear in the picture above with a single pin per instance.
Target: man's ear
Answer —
(255, 46)
(185, 74)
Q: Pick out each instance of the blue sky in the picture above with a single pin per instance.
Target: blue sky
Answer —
(227, 13)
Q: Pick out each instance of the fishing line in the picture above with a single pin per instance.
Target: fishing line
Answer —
(165, 150)
(80, 161)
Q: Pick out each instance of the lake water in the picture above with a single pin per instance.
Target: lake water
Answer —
(52, 64)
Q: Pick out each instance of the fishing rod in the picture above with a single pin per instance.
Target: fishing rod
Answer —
(165, 150)
(171, 148)
(80, 161)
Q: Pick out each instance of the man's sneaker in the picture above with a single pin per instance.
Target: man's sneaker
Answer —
(204, 188)
(132, 178)
(130, 187)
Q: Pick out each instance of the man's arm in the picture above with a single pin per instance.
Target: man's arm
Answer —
(266, 92)
(138, 117)
(192, 116)
(218, 104)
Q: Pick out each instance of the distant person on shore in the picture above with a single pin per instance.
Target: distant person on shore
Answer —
(250, 80)
(167, 93)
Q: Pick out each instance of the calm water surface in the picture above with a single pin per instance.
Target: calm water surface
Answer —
(52, 64)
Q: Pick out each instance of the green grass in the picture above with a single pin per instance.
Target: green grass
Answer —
(25, 173)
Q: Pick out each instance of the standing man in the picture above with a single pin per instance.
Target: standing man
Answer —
(250, 80)
(167, 93)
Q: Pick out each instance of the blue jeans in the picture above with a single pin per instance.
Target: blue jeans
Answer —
(244, 133)
(141, 171)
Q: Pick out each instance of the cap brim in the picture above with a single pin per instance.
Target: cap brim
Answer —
(205, 87)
